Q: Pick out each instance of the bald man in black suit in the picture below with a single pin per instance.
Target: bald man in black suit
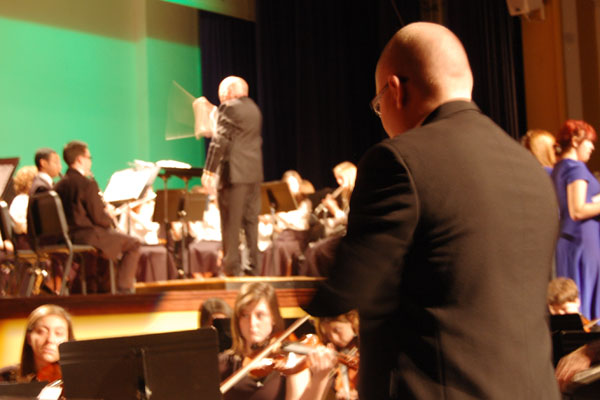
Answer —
(235, 159)
(450, 239)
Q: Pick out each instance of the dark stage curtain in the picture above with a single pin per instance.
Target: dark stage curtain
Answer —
(492, 39)
(314, 69)
(227, 47)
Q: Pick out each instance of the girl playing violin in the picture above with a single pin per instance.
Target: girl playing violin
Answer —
(342, 332)
(256, 320)
(47, 327)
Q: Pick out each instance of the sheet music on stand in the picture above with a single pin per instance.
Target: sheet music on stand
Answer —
(7, 168)
(130, 184)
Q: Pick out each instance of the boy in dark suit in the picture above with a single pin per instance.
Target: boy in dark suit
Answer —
(89, 223)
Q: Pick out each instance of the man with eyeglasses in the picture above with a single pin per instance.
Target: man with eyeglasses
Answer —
(450, 239)
(89, 223)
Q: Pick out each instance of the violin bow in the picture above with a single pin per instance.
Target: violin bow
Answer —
(242, 372)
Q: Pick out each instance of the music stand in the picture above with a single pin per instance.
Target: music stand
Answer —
(7, 168)
(276, 197)
(29, 390)
(177, 205)
(176, 365)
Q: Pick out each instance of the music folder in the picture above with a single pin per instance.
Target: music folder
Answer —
(175, 365)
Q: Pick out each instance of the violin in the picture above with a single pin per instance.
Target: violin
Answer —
(50, 373)
(346, 378)
(255, 362)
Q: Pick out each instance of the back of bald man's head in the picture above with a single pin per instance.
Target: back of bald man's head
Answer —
(232, 87)
(432, 57)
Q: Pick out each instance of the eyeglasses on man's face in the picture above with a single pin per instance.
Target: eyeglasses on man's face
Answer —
(375, 103)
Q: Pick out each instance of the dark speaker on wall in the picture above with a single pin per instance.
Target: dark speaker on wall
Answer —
(523, 7)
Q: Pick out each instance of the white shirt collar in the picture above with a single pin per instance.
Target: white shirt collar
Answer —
(46, 178)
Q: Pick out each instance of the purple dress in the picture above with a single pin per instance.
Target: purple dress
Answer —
(578, 247)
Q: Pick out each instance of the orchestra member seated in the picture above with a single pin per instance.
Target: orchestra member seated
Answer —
(47, 327)
(563, 298)
(205, 249)
(48, 164)
(211, 309)
(342, 332)
(18, 207)
(256, 320)
(89, 223)
(541, 144)
(137, 220)
(338, 203)
(578, 360)
(291, 230)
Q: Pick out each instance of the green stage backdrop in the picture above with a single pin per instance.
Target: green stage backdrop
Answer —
(98, 71)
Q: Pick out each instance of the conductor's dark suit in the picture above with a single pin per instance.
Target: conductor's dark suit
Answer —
(235, 153)
(448, 255)
(90, 224)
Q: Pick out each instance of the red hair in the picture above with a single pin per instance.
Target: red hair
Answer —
(574, 131)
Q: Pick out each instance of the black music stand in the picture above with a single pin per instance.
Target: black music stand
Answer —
(29, 390)
(7, 169)
(177, 205)
(176, 365)
(276, 197)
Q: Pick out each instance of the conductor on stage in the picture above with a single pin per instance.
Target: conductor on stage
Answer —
(450, 240)
(234, 160)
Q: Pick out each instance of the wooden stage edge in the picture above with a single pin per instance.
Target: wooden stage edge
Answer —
(165, 296)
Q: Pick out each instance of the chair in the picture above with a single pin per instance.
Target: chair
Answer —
(12, 275)
(48, 224)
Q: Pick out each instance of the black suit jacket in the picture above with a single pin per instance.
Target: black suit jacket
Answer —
(84, 209)
(448, 254)
(39, 185)
(236, 150)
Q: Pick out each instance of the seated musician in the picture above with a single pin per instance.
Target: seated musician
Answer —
(342, 332)
(338, 203)
(137, 220)
(256, 320)
(211, 309)
(18, 206)
(563, 298)
(291, 232)
(47, 327)
(578, 360)
(89, 223)
(319, 256)
(48, 164)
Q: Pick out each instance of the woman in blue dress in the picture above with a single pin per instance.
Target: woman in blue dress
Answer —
(578, 247)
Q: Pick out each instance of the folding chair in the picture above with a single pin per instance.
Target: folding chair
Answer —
(12, 275)
(47, 223)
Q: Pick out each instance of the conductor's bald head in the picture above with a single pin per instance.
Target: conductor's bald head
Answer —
(232, 87)
(423, 66)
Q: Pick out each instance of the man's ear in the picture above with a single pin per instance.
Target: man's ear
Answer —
(398, 91)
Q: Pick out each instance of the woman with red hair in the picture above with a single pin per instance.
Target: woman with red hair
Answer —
(578, 247)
